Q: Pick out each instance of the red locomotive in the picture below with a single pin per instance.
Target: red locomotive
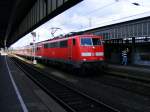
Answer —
(77, 50)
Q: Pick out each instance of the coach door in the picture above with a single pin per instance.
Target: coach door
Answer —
(70, 49)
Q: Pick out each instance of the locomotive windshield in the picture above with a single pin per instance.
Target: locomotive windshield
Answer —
(90, 41)
(86, 41)
(96, 41)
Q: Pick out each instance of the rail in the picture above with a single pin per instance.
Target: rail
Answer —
(72, 100)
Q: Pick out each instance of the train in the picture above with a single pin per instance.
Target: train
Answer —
(76, 51)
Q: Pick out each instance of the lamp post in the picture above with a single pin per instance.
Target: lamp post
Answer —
(34, 37)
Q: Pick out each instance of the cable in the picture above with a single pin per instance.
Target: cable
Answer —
(126, 17)
(138, 4)
(93, 11)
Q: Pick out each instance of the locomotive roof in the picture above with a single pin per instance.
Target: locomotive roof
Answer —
(65, 37)
(59, 38)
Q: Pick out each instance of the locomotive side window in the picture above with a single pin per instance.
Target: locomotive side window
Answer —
(74, 42)
(45, 45)
(49, 45)
(52, 45)
(63, 44)
(86, 41)
(56, 44)
(96, 41)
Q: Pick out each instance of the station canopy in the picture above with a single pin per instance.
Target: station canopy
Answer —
(15, 14)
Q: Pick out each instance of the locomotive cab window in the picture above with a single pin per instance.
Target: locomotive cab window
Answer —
(96, 41)
(90, 41)
(86, 41)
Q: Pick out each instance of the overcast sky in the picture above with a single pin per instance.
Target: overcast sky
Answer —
(89, 13)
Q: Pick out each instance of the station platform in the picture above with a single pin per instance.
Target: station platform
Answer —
(19, 94)
(133, 71)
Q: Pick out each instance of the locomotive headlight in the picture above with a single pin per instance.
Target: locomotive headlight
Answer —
(86, 54)
(84, 59)
(99, 54)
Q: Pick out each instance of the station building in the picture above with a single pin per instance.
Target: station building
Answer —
(132, 33)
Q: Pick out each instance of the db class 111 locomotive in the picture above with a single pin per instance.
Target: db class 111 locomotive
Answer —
(77, 51)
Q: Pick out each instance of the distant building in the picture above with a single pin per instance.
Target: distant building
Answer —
(132, 32)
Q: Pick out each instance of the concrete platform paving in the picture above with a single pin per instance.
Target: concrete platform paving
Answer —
(8, 98)
(25, 96)
(138, 72)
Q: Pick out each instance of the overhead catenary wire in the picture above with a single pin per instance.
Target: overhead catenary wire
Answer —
(134, 3)
(100, 8)
(96, 10)
(90, 13)
(93, 11)
(103, 7)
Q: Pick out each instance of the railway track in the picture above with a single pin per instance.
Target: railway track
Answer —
(136, 86)
(72, 100)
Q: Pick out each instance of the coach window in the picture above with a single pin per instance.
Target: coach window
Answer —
(74, 42)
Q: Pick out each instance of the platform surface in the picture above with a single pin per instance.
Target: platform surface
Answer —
(8, 98)
(141, 72)
(19, 94)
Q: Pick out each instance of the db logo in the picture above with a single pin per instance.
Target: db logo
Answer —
(92, 54)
